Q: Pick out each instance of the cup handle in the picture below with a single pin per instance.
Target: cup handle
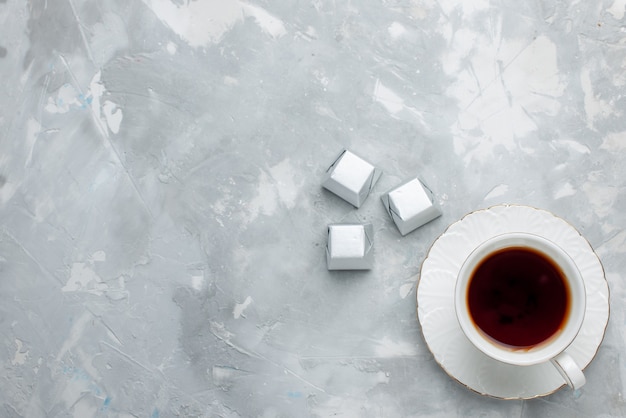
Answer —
(569, 370)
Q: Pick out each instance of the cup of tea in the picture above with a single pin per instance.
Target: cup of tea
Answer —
(520, 299)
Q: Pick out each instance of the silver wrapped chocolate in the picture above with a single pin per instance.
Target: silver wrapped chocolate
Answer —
(351, 178)
(411, 205)
(350, 247)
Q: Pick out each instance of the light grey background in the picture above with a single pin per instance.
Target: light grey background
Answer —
(162, 225)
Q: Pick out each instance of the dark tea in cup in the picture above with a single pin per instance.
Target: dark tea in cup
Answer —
(518, 297)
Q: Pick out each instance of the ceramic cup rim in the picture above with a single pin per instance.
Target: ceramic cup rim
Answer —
(554, 345)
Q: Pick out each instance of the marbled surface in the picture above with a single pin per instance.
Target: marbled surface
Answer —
(162, 224)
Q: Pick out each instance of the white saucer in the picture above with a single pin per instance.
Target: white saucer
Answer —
(435, 302)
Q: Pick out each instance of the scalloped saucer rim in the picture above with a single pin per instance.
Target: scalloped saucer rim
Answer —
(435, 306)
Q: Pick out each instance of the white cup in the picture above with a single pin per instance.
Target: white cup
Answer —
(553, 349)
